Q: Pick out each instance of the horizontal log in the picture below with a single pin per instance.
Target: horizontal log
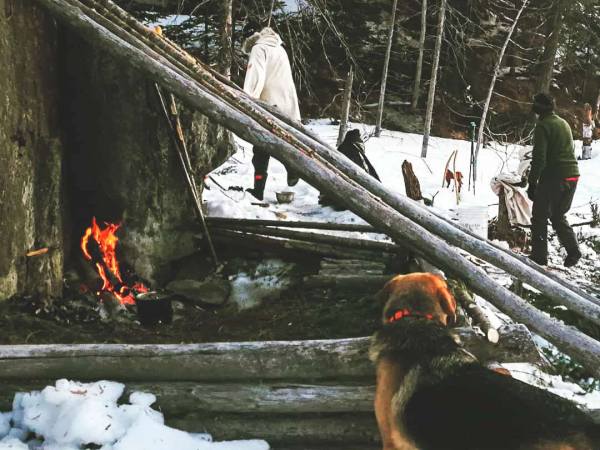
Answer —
(294, 246)
(355, 428)
(303, 360)
(237, 223)
(336, 359)
(329, 239)
(180, 398)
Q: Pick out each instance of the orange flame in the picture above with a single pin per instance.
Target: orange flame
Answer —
(107, 241)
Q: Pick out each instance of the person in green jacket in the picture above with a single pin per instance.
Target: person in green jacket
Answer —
(552, 182)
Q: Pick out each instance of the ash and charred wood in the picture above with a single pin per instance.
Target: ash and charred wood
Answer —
(314, 163)
(335, 359)
(466, 299)
(262, 243)
(235, 223)
(367, 282)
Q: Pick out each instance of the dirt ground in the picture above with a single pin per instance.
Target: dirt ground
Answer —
(296, 314)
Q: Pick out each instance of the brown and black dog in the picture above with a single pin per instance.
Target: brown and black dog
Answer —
(433, 395)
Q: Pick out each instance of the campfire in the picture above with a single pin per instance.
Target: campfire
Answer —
(99, 245)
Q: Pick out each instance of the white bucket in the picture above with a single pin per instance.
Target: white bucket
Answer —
(475, 218)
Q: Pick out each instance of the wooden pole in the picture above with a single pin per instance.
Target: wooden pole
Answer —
(172, 119)
(225, 222)
(346, 106)
(488, 99)
(417, 85)
(384, 76)
(226, 56)
(433, 79)
(327, 176)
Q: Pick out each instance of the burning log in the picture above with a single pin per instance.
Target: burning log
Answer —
(104, 256)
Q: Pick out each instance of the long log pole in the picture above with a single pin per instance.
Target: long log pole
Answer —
(226, 222)
(326, 177)
(559, 291)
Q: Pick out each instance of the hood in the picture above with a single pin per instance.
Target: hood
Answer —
(265, 37)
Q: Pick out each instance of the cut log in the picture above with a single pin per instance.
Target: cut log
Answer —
(480, 319)
(411, 182)
(314, 163)
(221, 362)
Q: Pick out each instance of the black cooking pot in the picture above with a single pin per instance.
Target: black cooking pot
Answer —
(154, 308)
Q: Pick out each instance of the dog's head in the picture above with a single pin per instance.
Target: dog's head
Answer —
(420, 295)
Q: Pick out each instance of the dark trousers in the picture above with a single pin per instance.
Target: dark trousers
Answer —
(260, 161)
(553, 198)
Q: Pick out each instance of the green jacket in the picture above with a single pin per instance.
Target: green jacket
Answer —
(553, 150)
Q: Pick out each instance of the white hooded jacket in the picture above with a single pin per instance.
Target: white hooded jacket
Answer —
(269, 75)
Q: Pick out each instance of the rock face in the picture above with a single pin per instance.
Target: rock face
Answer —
(31, 194)
(122, 165)
(81, 135)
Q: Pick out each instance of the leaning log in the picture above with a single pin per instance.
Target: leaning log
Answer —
(379, 210)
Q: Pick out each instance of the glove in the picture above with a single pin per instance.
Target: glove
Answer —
(531, 191)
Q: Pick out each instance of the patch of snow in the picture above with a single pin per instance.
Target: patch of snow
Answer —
(72, 415)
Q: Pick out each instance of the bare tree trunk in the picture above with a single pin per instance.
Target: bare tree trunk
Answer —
(386, 64)
(346, 106)
(486, 105)
(546, 67)
(226, 39)
(433, 81)
(417, 86)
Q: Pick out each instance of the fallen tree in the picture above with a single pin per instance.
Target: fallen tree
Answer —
(329, 171)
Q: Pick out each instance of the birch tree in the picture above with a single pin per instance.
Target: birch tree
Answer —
(384, 76)
(486, 105)
(433, 81)
(417, 85)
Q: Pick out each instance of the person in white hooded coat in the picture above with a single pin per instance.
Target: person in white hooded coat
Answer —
(269, 78)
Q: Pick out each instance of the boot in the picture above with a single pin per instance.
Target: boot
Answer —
(258, 190)
(572, 258)
(292, 179)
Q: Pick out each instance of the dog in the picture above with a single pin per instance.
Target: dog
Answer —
(434, 395)
(450, 176)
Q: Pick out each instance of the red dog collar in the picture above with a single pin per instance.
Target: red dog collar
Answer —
(402, 313)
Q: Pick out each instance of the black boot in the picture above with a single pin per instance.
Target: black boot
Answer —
(572, 258)
(258, 190)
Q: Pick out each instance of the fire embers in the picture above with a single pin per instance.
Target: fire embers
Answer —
(99, 245)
